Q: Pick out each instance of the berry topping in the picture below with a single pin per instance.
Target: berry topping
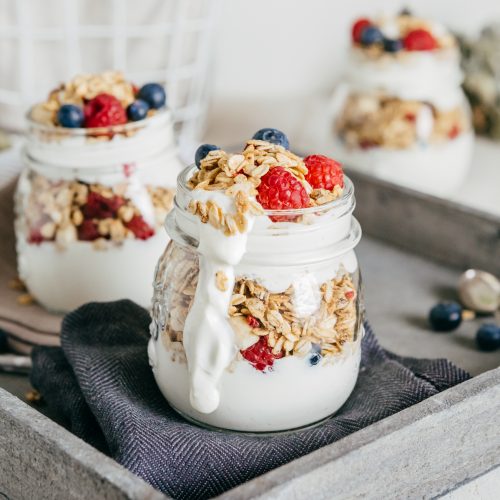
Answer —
(315, 356)
(371, 35)
(88, 231)
(393, 45)
(358, 27)
(138, 110)
(202, 151)
(260, 354)
(272, 135)
(70, 116)
(100, 207)
(419, 39)
(280, 190)
(104, 110)
(153, 94)
(140, 228)
(445, 316)
(252, 321)
(35, 237)
(488, 337)
(323, 172)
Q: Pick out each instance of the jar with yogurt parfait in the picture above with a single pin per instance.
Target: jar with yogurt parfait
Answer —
(256, 313)
(399, 111)
(99, 179)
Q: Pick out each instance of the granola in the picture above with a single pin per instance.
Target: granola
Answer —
(66, 211)
(378, 120)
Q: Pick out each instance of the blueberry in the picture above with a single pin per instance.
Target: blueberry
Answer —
(405, 12)
(371, 35)
(392, 45)
(138, 110)
(3, 341)
(202, 151)
(315, 358)
(445, 316)
(153, 94)
(488, 337)
(272, 135)
(70, 116)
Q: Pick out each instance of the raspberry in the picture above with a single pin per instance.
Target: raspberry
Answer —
(87, 231)
(260, 354)
(323, 172)
(280, 190)
(35, 237)
(253, 322)
(100, 207)
(419, 40)
(140, 228)
(358, 27)
(454, 132)
(104, 110)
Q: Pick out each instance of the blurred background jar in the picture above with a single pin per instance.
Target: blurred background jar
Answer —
(295, 310)
(90, 205)
(399, 112)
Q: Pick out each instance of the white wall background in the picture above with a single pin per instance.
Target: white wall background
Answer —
(272, 56)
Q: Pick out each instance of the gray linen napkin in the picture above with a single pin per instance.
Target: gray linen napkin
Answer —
(101, 385)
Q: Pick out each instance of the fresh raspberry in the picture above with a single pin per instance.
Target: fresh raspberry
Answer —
(280, 190)
(260, 354)
(87, 231)
(104, 110)
(140, 227)
(454, 132)
(323, 172)
(252, 321)
(100, 207)
(358, 27)
(419, 39)
(35, 237)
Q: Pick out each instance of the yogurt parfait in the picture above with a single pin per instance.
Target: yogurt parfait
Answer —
(256, 310)
(99, 179)
(400, 113)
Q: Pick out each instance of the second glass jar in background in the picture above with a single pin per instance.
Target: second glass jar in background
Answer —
(90, 206)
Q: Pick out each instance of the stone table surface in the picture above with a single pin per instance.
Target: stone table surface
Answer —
(399, 290)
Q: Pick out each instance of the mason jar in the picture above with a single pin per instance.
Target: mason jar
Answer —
(90, 205)
(403, 117)
(290, 336)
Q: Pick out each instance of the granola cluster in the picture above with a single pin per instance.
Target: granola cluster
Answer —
(66, 211)
(377, 120)
(81, 89)
(256, 313)
(240, 175)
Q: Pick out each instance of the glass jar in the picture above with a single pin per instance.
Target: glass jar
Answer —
(290, 338)
(90, 205)
(404, 118)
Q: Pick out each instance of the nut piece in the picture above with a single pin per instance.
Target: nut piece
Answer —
(221, 281)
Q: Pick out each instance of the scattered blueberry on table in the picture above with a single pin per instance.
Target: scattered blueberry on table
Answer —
(488, 337)
(445, 316)
(70, 116)
(272, 135)
(202, 151)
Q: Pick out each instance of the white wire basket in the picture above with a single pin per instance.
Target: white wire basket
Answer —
(45, 42)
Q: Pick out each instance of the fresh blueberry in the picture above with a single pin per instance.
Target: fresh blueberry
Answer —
(153, 94)
(371, 35)
(138, 110)
(488, 337)
(315, 358)
(70, 116)
(3, 341)
(445, 316)
(272, 135)
(202, 151)
(392, 45)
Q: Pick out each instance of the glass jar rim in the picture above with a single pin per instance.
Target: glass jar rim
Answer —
(160, 115)
(345, 200)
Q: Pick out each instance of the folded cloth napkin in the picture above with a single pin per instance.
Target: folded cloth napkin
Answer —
(25, 324)
(103, 388)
